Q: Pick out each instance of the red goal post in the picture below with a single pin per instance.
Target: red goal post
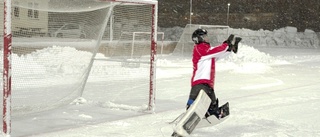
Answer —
(153, 47)
(7, 39)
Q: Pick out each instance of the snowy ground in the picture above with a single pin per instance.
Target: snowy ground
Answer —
(272, 92)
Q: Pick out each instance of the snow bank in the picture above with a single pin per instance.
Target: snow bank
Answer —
(249, 60)
(284, 37)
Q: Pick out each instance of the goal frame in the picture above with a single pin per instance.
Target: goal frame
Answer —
(7, 43)
(153, 46)
(7, 61)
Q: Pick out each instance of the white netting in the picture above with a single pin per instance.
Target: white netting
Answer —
(55, 43)
(216, 33)
(127, 52)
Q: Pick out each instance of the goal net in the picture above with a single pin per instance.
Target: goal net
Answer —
(132, 48)
(65, 49)
(216, 33)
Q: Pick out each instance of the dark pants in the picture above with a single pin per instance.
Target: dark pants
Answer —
(206, 88)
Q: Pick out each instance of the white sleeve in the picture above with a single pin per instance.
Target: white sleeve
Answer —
(217, 55)
(223, 55)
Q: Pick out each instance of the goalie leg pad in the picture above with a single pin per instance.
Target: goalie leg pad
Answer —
(192, 122)
(193, 115)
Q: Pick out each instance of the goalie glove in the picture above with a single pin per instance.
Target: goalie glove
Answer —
(233, 43)
(229, 42)
(235, 46)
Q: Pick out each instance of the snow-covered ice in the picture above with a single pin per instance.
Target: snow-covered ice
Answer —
(273, 91)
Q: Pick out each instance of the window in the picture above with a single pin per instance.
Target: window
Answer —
(70, 26)
(73, 26)
(32, 13)
(36, 12)
(16, 10)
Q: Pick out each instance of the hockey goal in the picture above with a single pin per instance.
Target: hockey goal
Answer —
(216, 33)
(52, 46)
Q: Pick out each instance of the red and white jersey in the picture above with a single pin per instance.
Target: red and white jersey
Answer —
(204, 58)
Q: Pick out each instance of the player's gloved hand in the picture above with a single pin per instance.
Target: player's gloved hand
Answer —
(229, 42)
(235, 45)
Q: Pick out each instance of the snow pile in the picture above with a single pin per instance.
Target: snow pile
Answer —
(249, 60)
(284, 37)
(54, 60)
(250, 54)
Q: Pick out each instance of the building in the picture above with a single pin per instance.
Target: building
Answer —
(27, 20)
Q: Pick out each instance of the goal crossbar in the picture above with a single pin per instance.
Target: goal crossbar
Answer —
(151, 2)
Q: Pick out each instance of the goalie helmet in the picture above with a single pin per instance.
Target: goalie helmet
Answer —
(198, 35)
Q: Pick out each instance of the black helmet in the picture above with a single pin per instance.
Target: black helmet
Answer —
(197, 35)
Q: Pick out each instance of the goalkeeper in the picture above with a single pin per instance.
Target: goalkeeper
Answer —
(204, 58)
